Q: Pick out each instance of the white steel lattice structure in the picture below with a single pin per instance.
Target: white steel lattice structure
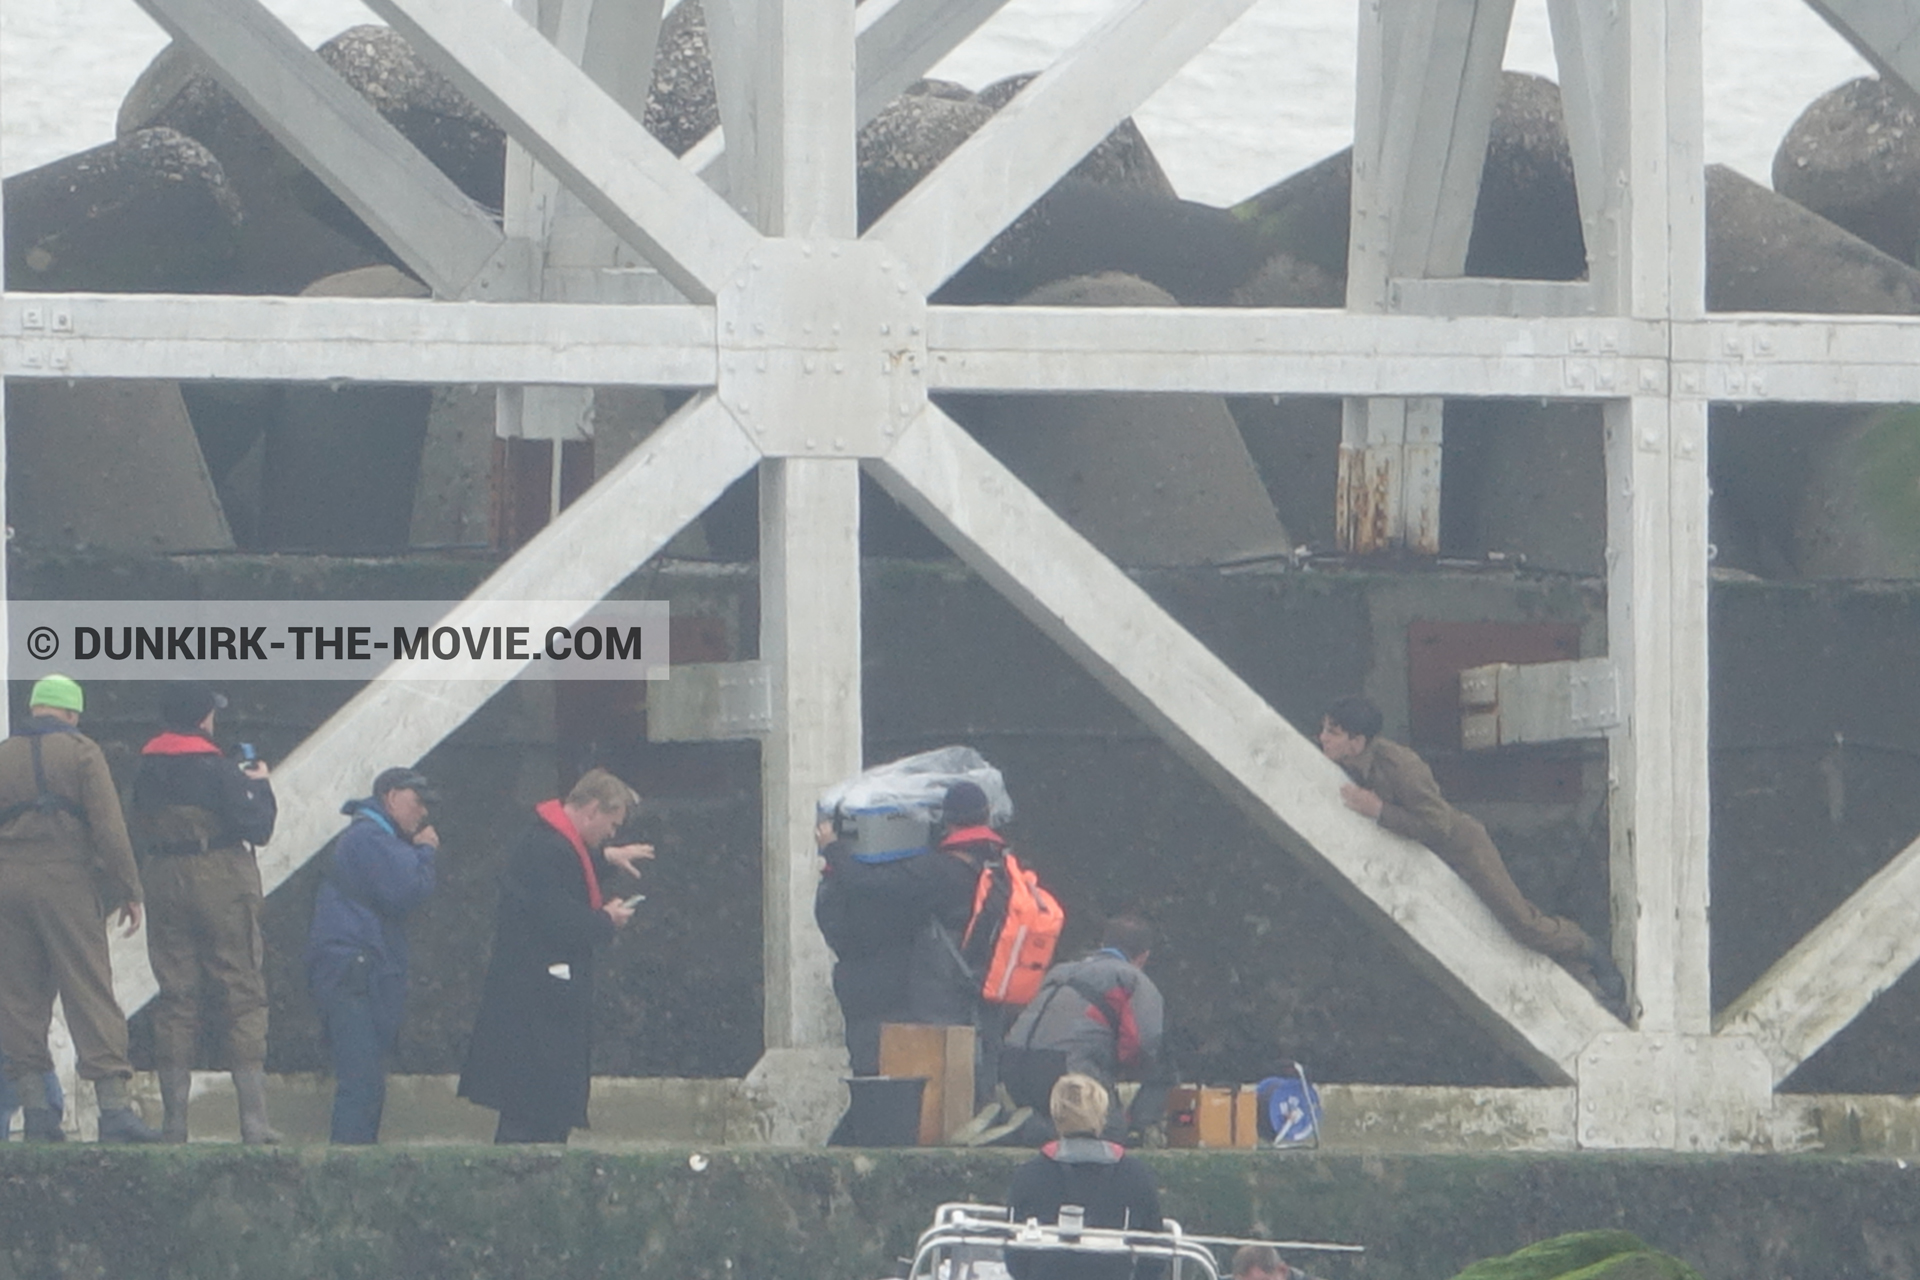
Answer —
(815, 352)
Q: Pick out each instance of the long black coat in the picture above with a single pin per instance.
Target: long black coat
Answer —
(532, 1047)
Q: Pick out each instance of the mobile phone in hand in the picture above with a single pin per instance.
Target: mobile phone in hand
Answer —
(634, 901)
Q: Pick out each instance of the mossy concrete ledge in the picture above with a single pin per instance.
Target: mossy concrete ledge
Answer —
(208, 1211)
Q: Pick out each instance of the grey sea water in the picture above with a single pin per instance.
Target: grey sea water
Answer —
(1273, 95)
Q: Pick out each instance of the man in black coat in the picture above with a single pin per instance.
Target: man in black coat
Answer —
(531, 1053)
(895, 922)
(197, 817)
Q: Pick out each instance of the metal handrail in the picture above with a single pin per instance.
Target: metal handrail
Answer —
(959, 1226)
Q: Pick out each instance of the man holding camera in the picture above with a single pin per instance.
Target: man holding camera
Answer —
(196, 820)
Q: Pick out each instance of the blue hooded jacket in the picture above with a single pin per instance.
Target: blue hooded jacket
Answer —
(375, 879)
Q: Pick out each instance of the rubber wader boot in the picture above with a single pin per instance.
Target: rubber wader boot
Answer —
(37, 1119)
(176, 1083)
(118, 1120)
(250, 1087)
(40, 1124)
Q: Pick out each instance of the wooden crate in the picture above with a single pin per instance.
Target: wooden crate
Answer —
(944, 1055)
(1200, 1116)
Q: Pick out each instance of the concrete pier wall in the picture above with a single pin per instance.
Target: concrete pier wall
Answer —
(687, 1214)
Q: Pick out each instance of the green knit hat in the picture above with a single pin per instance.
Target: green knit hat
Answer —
(57, 691)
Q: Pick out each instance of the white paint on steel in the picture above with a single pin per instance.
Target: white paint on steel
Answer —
(351, 339)
(899, 41)
(1031, 143)
(1829, 977)
(581, 134)
(1886, 32)
(810, 639)
(836, 319)
(436, 229)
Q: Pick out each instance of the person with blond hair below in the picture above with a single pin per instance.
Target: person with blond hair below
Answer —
(1263, 1262)
(1112, 1188)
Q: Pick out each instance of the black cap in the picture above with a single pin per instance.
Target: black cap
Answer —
(402, 778)
(185, 703)
(965, 806)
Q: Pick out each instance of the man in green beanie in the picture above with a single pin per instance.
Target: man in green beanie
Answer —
(65, 865)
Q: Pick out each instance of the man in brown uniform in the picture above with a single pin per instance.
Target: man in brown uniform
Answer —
(1395, 788)
(64, 864)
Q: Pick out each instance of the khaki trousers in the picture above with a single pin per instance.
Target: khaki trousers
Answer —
(53, 941)
(203, 930)
(1472, 854)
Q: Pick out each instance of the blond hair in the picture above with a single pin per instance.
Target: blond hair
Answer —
(1079, 1105)
(603, 789)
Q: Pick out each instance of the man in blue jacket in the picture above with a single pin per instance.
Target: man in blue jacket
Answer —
(380, 871)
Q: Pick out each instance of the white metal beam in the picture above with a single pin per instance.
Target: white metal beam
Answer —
(901, 40)
(805, 176)
(1429, 80)
(1886, 32)
(436, 229)
(1830, 976)
(1078, 598)
(1231, 351)
(1657, 514)
(617, 49)
(1235, 350)
(609, 531)
(1030, 144)
(732, 47)
(351, 339)
(810, 641)
(1588, 45)
(896, 43)
(568, 123)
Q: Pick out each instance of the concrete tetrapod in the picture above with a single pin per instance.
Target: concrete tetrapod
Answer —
(1150, 480)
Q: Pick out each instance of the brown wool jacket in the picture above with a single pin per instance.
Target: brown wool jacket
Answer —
(77, 770)
(1414, 806)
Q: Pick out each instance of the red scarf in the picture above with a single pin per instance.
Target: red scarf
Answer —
(179, 744)
(972, 835)
(555, 815)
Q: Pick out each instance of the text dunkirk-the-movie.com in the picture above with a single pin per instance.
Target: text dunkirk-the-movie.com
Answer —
(339, 639)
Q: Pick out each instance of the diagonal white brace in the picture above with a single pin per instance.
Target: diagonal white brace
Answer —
(1886, 32)
(609, 531)
(1830, 976)
(1224, 729)
(438, 231)
(896, 42)
(901, 40)
(1049, 126)
(570, 125)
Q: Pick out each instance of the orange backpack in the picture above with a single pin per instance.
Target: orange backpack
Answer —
(1014, 930)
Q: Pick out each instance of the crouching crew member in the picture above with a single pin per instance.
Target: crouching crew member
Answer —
(198, 818)
(1100, 1016)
